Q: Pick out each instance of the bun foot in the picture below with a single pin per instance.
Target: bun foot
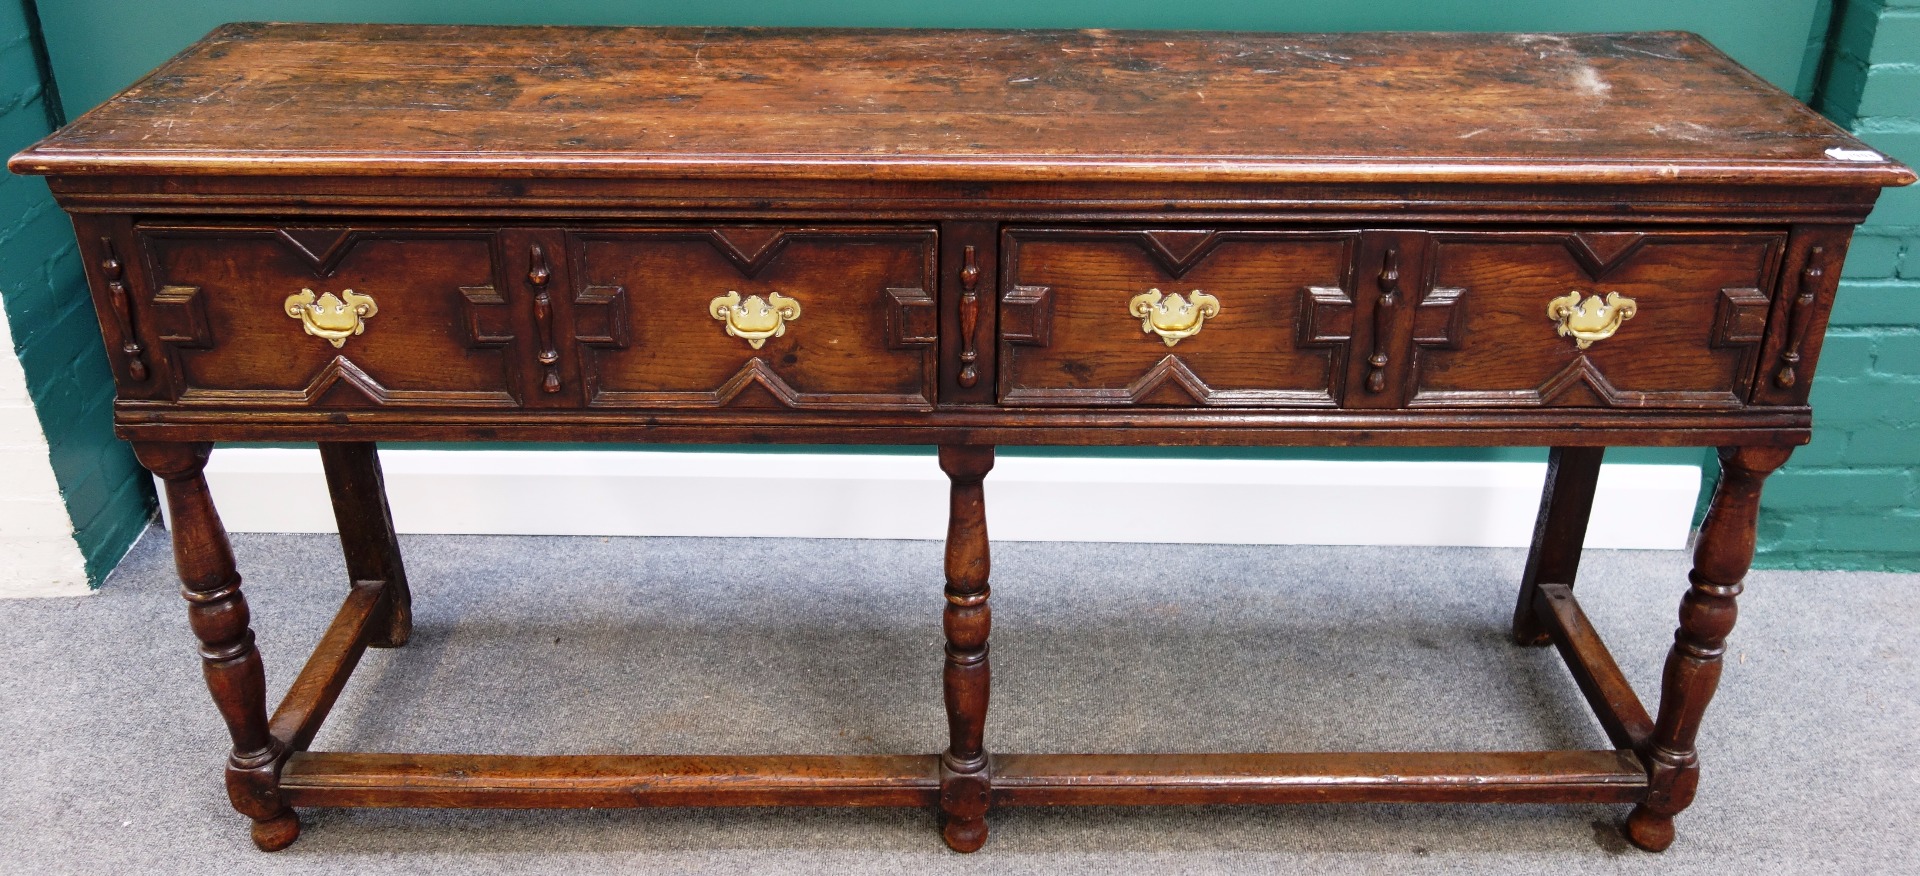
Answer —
(1649, 829)
(278, 832)
(964, 835)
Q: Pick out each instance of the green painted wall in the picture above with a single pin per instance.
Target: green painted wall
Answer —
(1848, 500)
(100, 46)
(54, 334)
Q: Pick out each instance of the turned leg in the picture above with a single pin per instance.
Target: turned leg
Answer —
(218, 613)
(1565, 504)
(1721, 557)
(965, 778)
(366, 533)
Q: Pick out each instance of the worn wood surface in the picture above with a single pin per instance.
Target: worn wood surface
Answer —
(966, 773)
(1613, 700)
(607, 781)
(318, 686)
(1068, 338)
(1559, 533)
(694, 102)
(1448, 323)
(1319, 777)
(360, 513)
(864, 337)
(218, 614)
(621, 781)
(1721, 556)
(1703, 302)
(546, 216)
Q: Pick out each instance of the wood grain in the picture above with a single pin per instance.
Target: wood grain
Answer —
(607, 781)
(367, 538)
(254, 354)
(545, 215)
(853, 346)
(318, 686)
(1408, 777)
(1559, 534)
(217, 611)
(621, 781)
(1593, 668)
(975, 105)
(1672, 353)
(1721, 556)
(1096, 353)
(966, 773)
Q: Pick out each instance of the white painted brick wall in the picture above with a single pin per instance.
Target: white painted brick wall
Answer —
(38, 556)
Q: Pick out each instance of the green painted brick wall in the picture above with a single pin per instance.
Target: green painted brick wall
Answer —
(101, 46)
(1851, 499)
(108, 497)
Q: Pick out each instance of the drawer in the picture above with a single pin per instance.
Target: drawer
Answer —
(1615, 319)
(341, 317)
(756, 316)
(1118, 317)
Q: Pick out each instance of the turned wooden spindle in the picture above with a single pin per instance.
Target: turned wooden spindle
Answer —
(965, 778)
(1721, 557)
(218, 614)
(366, 532)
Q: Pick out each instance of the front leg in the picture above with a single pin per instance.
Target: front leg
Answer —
(1721, 557)
(965, 779)
(218, 613)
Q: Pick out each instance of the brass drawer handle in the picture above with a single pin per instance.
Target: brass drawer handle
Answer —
(755, 319)
(1591, 320)
(1172, 317)
(335, 318)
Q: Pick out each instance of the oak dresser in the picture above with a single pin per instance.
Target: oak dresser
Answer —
(351, 234)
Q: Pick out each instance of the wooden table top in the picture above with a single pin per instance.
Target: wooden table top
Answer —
(337, 99)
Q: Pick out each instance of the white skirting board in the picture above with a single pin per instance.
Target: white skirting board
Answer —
(38, 553)
(813, 495)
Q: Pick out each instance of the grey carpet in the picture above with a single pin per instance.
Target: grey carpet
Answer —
(110, 752)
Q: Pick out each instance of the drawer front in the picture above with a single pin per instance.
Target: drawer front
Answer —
(756, 317)
(329, 316)
(1243, 318)
(1526, 319)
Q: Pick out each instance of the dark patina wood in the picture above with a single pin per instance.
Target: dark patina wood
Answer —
(1613, 700)
(319, 683)
(1573, 473)
(360, 512)
(581, 235)
(956, 105)
(966, 775)
(1721, 558)
(217, 611)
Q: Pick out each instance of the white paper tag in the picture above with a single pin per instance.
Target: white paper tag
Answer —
(1841, 153)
